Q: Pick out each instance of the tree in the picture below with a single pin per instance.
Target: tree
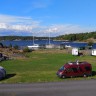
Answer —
(90, 43)
(26, 50)
(10, 46)
(1, 45)
(16, 47)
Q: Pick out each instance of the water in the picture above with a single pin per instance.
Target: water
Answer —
(24, 43)
(29, 42)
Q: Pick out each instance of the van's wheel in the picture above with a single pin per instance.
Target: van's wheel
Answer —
(84, 75)
(63, 77)
(72, 76)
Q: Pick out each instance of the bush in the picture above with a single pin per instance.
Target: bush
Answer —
(16, 47)
(10, 46)
(26, 49)
(81, 48)
(1, 45)
(90, 43)
(62, 46)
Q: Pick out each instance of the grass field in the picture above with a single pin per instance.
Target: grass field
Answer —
(40, 67)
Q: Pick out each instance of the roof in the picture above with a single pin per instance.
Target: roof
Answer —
(77, 63)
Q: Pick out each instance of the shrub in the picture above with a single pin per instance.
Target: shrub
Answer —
(90, 43)
(81, 48)
(10, 46)
(1, 45)
(16, 47)
(26, 49)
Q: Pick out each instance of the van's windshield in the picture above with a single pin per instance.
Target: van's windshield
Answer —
(62, 68)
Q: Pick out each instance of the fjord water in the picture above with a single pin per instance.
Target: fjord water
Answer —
(24, 43)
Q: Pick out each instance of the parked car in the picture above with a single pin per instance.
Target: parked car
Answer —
(2, 73)
(75, 69)
(3, 57)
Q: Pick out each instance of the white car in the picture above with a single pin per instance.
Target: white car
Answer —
(2, 73)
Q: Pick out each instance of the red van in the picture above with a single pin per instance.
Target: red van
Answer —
(75, 69)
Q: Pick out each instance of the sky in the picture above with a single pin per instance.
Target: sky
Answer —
(46, 17)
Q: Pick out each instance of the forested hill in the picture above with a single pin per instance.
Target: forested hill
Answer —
(78, 36)
(69, 37)
(21, 38)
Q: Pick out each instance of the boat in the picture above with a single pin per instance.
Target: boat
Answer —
(67, 46)
(34, 47)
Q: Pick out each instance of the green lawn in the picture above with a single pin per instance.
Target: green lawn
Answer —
(40, 67)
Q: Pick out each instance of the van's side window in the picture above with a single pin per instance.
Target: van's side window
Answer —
(69, 70)
(80, 69)
(75, 70)
(87, 68)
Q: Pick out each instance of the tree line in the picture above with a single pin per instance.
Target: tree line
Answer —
(21, 38)
(69, 37)
(77, 36)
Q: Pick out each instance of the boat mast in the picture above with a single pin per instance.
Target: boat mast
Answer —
(33, 39)
(49, 38)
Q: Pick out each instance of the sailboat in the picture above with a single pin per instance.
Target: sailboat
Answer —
(34, 46)
(49, 45)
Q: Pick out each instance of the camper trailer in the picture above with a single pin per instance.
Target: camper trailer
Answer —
(94, 52)
(75, 51)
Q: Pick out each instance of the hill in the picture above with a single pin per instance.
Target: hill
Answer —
(86, 37)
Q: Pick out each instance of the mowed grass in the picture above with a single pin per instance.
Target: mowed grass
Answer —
(40, 67)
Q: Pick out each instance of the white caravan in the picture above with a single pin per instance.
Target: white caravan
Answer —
(75, 51)
(94, 52)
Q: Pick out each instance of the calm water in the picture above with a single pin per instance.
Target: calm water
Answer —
(24, 43)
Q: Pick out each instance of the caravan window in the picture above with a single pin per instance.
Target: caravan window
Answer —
(62, 68)
(87, 68)
(75, 70)
(80, 69)
(69, 70)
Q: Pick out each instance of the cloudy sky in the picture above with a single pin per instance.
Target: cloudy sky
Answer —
(41, 17)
